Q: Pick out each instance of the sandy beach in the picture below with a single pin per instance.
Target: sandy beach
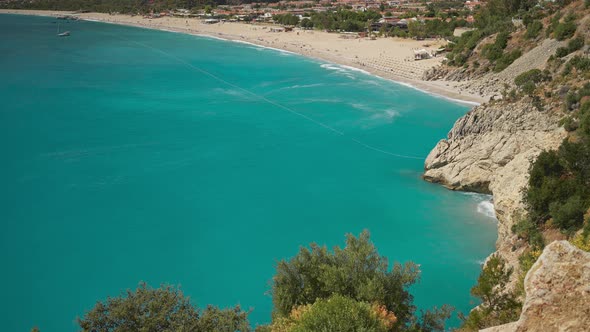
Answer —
(389, 58)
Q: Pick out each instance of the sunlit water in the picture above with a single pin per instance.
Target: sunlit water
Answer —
(131, 155)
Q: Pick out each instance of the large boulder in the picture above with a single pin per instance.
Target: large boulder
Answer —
(557, 292)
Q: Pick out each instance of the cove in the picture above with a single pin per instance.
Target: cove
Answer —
(130, 154)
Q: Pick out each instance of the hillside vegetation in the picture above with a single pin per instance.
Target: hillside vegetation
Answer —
(558, 194)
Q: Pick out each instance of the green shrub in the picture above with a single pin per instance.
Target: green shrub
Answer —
(581, 64)
(494, 51)
(575, 44)
(339, 313)
(355, 274)
(527, 230)
(543, 178)
(531, 77)
(506, 60)
(572, 46)
(566, 29)
(559, 183)
(569, 124)
(528, 88)
(356, 271)
(533, 30)
(568, 215)
(584, 116)
(561, 52)
(498, 306)
(164, 309)
(464, 44)
(553, 23)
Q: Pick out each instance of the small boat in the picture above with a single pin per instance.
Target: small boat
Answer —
(62, 34)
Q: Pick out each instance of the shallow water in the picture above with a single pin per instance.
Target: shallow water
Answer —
(130, 154)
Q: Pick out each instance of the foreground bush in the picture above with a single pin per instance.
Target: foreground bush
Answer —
(356, 272)
(498, 305)
(337, 313)
(165, 309)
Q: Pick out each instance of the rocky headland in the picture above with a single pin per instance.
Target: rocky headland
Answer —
(490, 150)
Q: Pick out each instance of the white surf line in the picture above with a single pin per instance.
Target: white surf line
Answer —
(319, 123)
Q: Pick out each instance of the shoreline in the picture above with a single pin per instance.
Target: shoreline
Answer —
(386, 58)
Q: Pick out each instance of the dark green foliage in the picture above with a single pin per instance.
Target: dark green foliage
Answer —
(584, 116)
(569, 124)
(527, 230)
(306, 23)
(533, 75)
(569, 215)
(463, 46)
(565, 29)
(581, 64)
(527, 81)
(528, 88)
(344, 20)
(559, 183)
(339, 313)
(356, 271)
(572, 46)
(544, 178)
(436, 28)
(165, 309)
(574, 98)
(498, 306)
(533, 30)
(575, 157)
(506, 60)
(433, 320)
(553, 23)
(286, 19)
(494, 51)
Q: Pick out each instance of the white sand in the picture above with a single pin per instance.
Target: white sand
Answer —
(390, 58)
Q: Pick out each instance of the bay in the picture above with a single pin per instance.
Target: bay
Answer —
(130, 154)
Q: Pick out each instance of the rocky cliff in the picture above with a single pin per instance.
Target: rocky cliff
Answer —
(490, 150)
(557, 292)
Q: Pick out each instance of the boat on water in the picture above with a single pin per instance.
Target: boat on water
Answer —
(62, 34)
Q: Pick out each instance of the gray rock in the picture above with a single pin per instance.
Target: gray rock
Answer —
(489, 150)
(557, 292)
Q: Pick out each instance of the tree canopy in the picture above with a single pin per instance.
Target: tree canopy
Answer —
(164, 309)
(357, 272)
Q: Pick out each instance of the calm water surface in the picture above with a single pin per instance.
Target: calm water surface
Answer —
(131, 155)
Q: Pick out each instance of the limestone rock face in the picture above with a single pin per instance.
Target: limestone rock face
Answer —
(490, 150)
(557, 292)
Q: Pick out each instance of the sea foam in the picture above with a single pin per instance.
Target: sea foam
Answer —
(487, 208)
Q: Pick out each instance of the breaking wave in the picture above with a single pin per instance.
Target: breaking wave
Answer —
(485, 204)
(487, 208)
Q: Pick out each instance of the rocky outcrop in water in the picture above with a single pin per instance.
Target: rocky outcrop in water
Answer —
(490, 150)
(557, 292)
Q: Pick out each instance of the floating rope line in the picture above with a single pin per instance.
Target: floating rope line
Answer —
(271, 102)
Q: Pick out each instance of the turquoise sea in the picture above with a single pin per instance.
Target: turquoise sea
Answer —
(130, 155)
